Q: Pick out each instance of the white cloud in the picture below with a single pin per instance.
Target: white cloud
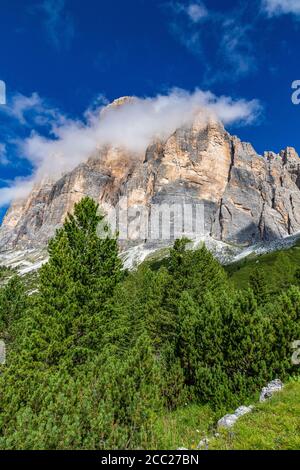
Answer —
(134, 125)
(196, 12)
(279, 7)
(21, 104)
(28, 110)
(16, 189)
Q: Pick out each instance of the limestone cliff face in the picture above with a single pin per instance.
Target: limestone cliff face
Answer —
(247, 197)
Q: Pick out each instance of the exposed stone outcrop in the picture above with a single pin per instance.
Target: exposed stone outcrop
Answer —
(2, 352)
(273, 387)
(228, 421)
(247, 198)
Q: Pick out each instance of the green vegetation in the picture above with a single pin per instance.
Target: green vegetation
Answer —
(99, 358)
(184, 427)
(5, 274)
(280, 269)
(274, 425)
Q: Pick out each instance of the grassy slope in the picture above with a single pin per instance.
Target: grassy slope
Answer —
(279, 268)
(184, 428)
(272, 425)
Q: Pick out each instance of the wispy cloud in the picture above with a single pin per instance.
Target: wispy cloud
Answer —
(236, 49)
(31, 110)
(3, 155)
(281, 7)
(19, 188)
(57, 21)
(132, 126)
(195, 11)
(223, 42)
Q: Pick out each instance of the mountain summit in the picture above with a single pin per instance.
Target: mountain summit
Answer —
(247, 197)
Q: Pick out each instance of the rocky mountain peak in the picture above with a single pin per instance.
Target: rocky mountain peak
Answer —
(117, 103)
(289, 155)
(247, 198)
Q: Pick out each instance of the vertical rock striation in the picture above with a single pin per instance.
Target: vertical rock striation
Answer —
(247, 197)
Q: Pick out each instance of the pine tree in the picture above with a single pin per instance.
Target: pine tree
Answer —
(260, 287)
(13, 304)
(297, 277)
(139, 308)
(74, 287)
(188, 346)
(196, 271)
(211, 380)
(247, 345)
(284, 315)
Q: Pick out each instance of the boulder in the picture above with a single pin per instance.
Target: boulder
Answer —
(268, 391)
(229, 420)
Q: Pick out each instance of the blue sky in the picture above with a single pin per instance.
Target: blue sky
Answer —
(61, 58)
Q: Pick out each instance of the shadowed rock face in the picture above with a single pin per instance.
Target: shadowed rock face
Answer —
(247, 198)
